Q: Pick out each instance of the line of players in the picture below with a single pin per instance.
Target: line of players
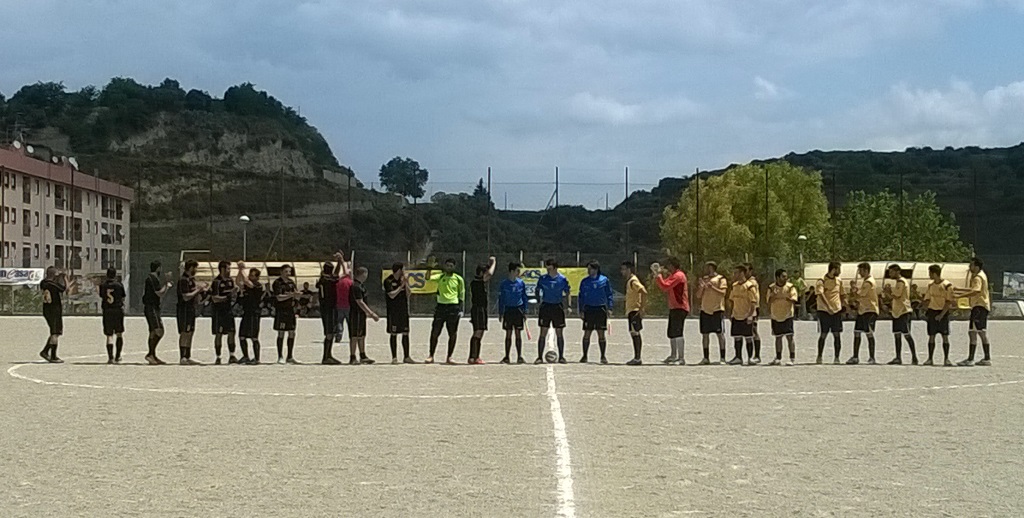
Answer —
(594, 305)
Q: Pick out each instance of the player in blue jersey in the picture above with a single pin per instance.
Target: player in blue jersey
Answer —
(553, 293)
(512, 305)
(595, 306)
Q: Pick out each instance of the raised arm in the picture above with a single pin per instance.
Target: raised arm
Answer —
(491, 263)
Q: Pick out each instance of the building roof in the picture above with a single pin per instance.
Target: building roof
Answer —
(16, 160)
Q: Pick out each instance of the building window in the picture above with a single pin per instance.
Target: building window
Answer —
(118, 234)
(58, 197)
(120, 210)
(76, 257)
(26, 220)
(95, 228)
(105, 259)
(26, 191)
(77, 198)
(37, 219)
(47, 221)
(86, 253)
(120, 257)
(58, 256)
(14, 182)
(47, 252)
(47, 189)
(77, 234)
(58, 227)
(26, 257)
(35, 251)
(37, 187)
(14, 216)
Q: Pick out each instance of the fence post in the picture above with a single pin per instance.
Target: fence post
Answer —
(577, 258)
(463, 277)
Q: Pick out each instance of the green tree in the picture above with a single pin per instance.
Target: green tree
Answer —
(404, 176)
(872, 227)
(733, 219)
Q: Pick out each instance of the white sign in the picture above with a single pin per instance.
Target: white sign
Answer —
(21, 276)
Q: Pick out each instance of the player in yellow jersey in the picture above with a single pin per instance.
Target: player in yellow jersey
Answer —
(940, 299)
(828, 291)
(744, 300)
(782, 297)
(866, 295)
(757, 313)
(711, 293)
(902, 312)
(981, 303)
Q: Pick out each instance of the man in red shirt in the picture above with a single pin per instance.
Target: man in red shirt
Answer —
(672, 281)
(342, 289)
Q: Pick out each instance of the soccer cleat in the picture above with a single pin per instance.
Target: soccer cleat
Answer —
(947, 363)
(429, 359)
(984, 363)
(871, 361)
(330, 361)
(55, 359)
(913, 361)
(705, 361)
(817, 361)
(366, 360)
(538, 361)
(790, 362)
(232, 360)
(254, 362)
(563, 361)
(755, 361)
(681, 362)
(928, 363)
(520, 361)
(291, 361)
(852, 361)
(721, 361)
(449, 361)
(117, 359)
(583, 360)
(736, 361)
(192, 362)
(604, 361)
(394, 361)
(245, 360)
(217, 361)
(478, 361)
(43, 355)
(836, 361)
(280, 361)
(352, 360)
(183, 361)
(110, 361)
(159, 361)
(669, 361)
(635, 361)
(505, 361)
(409, 361)
(896, 361)
(774, 362)
(966, 363)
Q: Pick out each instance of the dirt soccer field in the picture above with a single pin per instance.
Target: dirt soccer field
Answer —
(88, 439)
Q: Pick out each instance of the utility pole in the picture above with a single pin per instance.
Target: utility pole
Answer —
(489, 210)
(696, 175)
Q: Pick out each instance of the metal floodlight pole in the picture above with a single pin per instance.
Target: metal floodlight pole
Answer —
(489, 204)
(696, 175)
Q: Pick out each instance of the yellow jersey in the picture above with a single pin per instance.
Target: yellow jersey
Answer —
(979, 283)
(867, 296)
(744, 298)
(780, 301)
(712, 301)
(938, 293)
(634, 289)
(900, 298)
(828, 290)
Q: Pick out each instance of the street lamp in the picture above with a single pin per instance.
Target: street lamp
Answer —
(245, 237)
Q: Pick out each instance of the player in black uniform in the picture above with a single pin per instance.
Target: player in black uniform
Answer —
(53, 286)
(327, 291)
(112, 302)
(358, 311)
(478, 309)
(223, 321)
(188, 295)
(396, 287)
(285, 295)
(251, 298)
(151, 297)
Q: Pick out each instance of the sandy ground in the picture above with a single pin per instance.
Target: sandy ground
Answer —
(88, 439)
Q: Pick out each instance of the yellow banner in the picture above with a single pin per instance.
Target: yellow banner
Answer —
(419, 285)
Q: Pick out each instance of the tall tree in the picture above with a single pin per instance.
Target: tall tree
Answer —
(733, 217)
(872, 226)
(404, 176)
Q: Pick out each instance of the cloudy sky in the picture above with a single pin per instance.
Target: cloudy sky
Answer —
(663, 87)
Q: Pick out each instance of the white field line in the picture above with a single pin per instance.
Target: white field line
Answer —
(566, 498)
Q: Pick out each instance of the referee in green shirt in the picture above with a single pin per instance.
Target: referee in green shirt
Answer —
(451, 291)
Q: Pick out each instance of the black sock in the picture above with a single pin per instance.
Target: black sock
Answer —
(913, 347)
(899, 346)
(985, 349)
(856, 345)
(118, 347)
(871, 346)
(519, 346)
(231, 345)
(637, 346)
(603, 345)
(280, 347)
(750, 349)
(244, 342)
(972, 348)
(291, 346)
(778, 349)
(110, 351)
(821, 346)
(540, 346)
(586, 347)
(328, 345)
(757, 348)
(188, 351)
(931, 348)
(394, 346)
(945, 348)
(152, 346)
(508, 346)
(256, 349)
(474, 348)
(405, 345)
(707, 353)
(837, 344)
(737, 345)
(182, 352)
(561, 347)
(217, 346)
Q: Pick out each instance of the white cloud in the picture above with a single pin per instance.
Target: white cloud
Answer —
(588, 108)
(765, 90)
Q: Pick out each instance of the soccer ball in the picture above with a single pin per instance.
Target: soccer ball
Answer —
(551, 356)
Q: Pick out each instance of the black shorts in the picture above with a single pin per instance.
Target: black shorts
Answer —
(829, 322)
(284, 319)
(635, 322)
(979, 318)
(676, 321)
(741, 328)
(249, 326)
(446, 316)
(113, 321)
(398, 322)
(595, 319)
(711, 324)
(783, 328)
(356, 323)
(54, 320)
(514, 318)
(153, 319)
(865, 323)
(478, 318)
(551, 315)
(901, 324)
(185, 314)
(937, 327)
(329, 318)
(222, 321)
